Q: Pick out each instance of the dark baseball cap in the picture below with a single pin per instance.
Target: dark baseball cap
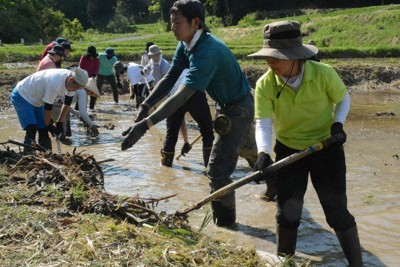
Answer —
(57, 50)
(192, 9)
(66, 45)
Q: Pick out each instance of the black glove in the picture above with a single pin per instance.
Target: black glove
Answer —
(185, 149)
(337, 129)
(263, 161)
(94, 130)
(119, 85)
(137, 131)
(126, 131)
(55, 130)
(142, 112)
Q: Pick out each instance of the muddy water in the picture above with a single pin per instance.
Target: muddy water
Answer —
(373, 150)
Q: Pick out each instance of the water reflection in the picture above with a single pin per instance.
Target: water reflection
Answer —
(373, 180)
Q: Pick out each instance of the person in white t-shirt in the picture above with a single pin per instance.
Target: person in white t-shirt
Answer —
(139, 83)
(33, 99)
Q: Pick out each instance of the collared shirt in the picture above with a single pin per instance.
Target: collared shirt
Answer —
(212, 68)
(300, 118)
(158, 69)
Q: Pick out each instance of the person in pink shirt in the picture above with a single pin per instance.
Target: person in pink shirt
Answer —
(57, 41)
(90, 62)
(50, 60)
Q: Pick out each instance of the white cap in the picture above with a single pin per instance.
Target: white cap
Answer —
(80, 76)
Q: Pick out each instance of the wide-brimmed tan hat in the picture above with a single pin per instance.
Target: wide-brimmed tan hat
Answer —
(283, 40)
(80, 76)
(91, 86)
(154, 50)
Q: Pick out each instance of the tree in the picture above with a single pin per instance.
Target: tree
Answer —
(53, 23)
(72, 9)
(100, 12)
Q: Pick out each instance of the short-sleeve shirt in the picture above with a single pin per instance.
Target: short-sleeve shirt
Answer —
(212, 68)
(106, 65)
(44, 86)
(134, 75)
(303, 118)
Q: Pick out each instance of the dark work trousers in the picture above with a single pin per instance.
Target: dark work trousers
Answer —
(111, 80)
(198, 108)
(225, 151)
(327, 169)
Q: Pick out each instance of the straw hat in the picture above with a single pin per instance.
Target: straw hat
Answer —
(91, 86)
(283, 40)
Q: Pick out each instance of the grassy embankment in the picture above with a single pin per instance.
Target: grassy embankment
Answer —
(349, 33)
(31, 236)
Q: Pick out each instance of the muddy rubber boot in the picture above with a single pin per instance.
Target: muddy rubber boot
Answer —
(270, 193)
(44, 139)
(67, 128)
(206, 155)
(115, 96)
(167, 158)
(286, 241)
(30, 137)
(350, 243)
(224, 211)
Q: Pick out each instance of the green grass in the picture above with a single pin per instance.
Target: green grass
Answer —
(346, 33)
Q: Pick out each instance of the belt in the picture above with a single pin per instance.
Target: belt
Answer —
(236, 101)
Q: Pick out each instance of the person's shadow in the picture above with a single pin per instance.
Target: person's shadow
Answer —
(315, 241)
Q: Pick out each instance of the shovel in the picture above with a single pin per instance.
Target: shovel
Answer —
(273, 167)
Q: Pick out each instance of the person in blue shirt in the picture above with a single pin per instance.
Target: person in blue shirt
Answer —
(106, 72)
(212, 69)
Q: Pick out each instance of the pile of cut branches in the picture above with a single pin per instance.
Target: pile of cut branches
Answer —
(78, 181)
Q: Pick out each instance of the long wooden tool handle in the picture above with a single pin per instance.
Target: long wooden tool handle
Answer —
(273, 167)
(191, 144)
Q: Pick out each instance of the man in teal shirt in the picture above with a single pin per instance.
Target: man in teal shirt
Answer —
(106, 72)
(213, 69)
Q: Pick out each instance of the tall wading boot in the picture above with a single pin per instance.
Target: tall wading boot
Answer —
(67, 129)
(286, 241)
(44, 139)
(167, 158)
(30, 137)
(92, 102)
(224, 210)
(115, 96)
(206, 155)
(350, 243)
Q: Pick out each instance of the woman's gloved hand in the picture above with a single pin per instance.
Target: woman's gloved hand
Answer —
(263, 161)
